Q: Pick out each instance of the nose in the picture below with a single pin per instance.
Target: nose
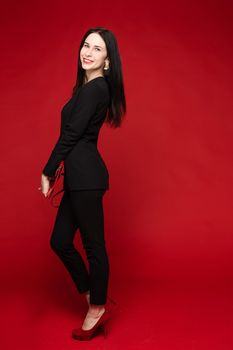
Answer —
(88, 51)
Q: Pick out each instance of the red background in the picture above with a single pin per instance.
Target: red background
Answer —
(168, 214)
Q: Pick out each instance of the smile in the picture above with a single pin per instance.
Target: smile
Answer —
(87, 61)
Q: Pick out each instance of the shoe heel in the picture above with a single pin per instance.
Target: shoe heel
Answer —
(104, 327)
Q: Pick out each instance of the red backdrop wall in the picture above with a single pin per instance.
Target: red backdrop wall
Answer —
(168, 214)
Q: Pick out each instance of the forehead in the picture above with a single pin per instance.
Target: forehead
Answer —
(95, 39)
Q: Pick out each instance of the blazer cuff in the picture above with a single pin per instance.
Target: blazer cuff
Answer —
(48, 172)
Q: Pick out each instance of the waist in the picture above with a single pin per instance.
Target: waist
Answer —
(89, 140)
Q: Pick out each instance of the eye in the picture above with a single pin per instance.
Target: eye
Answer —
(86, 45)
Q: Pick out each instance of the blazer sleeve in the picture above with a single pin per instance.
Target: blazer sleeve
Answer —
(88, 99)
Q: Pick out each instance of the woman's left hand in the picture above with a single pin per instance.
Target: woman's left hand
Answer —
(45, 184)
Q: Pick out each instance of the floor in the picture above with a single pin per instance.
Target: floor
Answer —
(151, 315)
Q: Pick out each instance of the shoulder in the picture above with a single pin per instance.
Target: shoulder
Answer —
(94, 89)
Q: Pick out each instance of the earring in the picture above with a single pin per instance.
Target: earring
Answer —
(106, 67)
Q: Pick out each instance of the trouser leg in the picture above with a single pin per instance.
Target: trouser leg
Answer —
(61, 241)
(88, 208)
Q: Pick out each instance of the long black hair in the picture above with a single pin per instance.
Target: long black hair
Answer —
(113, 76)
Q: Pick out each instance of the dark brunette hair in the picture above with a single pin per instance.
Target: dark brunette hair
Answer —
(113, 76)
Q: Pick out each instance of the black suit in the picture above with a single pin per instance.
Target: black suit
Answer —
(81, 120)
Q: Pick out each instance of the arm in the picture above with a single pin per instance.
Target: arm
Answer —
(85, 107)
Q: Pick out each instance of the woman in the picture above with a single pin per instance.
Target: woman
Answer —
(98, 97)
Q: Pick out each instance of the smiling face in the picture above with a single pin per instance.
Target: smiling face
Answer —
(95, 52)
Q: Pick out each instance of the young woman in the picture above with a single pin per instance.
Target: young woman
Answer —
(97, 97)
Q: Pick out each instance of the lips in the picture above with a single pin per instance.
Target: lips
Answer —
(86, 60)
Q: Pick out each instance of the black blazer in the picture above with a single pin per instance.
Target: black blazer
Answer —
(81, 119)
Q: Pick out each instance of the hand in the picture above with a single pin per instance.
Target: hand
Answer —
(45, 184)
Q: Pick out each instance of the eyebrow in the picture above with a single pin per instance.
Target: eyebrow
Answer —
(85, 42)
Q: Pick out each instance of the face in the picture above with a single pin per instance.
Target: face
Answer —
(95, 51)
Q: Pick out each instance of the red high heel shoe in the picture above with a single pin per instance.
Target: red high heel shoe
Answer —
(81, 334)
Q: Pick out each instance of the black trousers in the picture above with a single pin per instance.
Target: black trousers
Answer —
(83, 210)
